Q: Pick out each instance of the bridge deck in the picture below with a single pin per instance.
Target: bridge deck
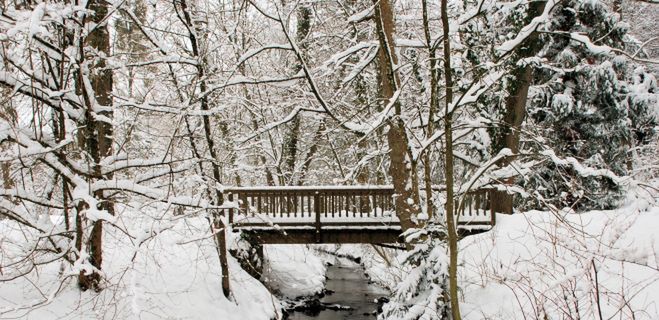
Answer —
(331, 214)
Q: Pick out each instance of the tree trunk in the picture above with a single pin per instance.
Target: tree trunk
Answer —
(8, 113)
(204, 103)
(290, 150)
(97, 136)
(312, 152)
(502, 201)
(617, 8)
(400, 168)
(448, 134)
(432, 108)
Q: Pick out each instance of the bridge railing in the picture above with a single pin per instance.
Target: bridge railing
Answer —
(336, 206)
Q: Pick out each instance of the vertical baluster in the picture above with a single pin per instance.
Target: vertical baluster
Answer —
(339, 199)
(317, 214)
(350, 204)
(275, 204)
(285, 204)
(258, 202)
(478, 203)
(320, 197)
(379, 199)
(370, 202)
(360, 208)
(326, 200)
(278, 204)
(493, 216)
(273, 210)
(390, 203)
(309, 209)
(485, 203)
(470, 199)
(333, 204)
(294, 204)
(344, 205)
(230, 210)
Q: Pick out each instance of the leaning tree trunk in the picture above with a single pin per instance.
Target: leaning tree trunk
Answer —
(400, 167)
(515, 112)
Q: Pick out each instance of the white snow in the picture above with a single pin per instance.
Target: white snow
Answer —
(293, 270)
(539, 263)
(161, 274)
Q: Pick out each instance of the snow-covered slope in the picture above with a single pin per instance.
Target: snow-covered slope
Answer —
(293, 270)
(173, 274)
(566, 266)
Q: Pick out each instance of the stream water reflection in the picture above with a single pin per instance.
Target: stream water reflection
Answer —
(351, 288)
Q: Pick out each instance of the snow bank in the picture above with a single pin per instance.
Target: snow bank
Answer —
(293, 270)
(565, 265)
(170, 270)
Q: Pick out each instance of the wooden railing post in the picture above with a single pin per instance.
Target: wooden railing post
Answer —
(231, 209)
(493, 216)
(316, 200)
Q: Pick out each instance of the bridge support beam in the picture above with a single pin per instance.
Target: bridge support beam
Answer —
(328, 235)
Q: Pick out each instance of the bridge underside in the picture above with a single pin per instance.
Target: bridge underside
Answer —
(333, 236)
(338, 235)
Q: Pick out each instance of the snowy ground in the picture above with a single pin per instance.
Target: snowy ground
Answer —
(567, 266)
(531, 264)
(173, 274)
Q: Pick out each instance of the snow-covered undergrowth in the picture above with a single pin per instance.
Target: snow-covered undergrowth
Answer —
(544, 265)
(168, 270)
(559, 265)
(293, 270)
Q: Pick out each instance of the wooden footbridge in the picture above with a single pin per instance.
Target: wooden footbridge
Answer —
(335, 214)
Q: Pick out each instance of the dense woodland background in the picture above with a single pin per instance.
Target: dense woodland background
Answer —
(122, 114)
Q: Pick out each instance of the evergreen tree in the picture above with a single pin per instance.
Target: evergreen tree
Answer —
(422, 294)
(589, 104)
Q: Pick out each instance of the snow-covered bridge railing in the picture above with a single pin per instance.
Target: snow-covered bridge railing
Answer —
(334, 214)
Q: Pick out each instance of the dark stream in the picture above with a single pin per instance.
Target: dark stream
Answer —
(349, 291)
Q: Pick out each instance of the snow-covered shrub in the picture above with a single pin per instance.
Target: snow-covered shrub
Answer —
(422, 293)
